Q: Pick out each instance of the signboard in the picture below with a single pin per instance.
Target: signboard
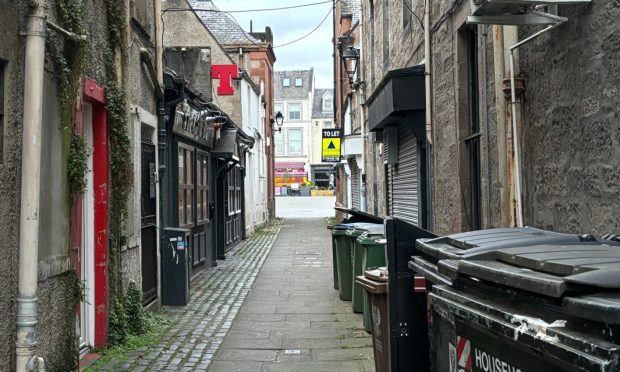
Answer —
(193, 124)
(479, 350)
(331, 146)
(225, 73)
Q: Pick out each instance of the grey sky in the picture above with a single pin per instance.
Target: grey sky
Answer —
(287, 25)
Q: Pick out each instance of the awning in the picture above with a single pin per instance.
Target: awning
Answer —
(226, 147)
(291, 165)
(399, 94)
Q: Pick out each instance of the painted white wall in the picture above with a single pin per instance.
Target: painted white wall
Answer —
(256, 212)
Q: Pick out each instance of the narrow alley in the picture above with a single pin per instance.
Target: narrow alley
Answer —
(270, 306)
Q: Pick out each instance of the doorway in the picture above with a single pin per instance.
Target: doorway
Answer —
(87, 251)
(148, 210)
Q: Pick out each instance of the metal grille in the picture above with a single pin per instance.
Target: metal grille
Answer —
(355, 184)
(146, 134)
(404, 177)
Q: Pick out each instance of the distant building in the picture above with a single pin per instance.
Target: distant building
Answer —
(293, 98)
(322, 118)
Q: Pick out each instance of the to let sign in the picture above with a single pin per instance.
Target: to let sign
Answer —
(331, 146)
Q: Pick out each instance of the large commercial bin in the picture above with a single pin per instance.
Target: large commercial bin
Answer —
(374, 282)
(480, 243)
(549, 307)
(368, 251)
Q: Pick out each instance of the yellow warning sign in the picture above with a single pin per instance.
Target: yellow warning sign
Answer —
(331, 145)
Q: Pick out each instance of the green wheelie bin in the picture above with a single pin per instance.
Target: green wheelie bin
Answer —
(368, 251)
(345, 237)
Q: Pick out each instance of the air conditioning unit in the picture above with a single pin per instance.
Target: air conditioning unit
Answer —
(512, 12)
(506, 7)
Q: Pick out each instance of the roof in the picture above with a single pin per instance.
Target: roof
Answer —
(293, 92)
(221, 25)
(351, 7)
(317, 104)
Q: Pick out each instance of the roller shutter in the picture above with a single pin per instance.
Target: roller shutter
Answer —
(355, 184)
(404, 179)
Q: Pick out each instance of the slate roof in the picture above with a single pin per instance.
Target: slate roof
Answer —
(293, 92)
(351, 7)
(317, 104)
(222, 26)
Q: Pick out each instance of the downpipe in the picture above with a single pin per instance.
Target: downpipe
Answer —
(513, 103)
(26, 341)
(428, 81)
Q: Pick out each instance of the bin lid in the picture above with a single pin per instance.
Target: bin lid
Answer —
(372, 238)
(550, 270)
(477, 243)
(359, 228)
(359, 216)
(379, 274)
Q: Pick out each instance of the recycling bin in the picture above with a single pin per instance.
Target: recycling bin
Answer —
(549, 307)
(368, 251)
(375, 283)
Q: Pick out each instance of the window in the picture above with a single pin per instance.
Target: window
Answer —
(202, 187)
(294, 141)
(186, 185)
(328, 124)
(238, 180)
(298, 82)
(407, 13)
(294, 111)
(286, 82)
(328, 104)
(469, 126)
(278, 140)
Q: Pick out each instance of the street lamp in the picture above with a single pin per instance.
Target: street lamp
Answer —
(351, 58)
(279, 120)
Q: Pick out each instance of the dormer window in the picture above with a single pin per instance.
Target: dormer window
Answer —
(286, 82)
(298, 82)
(328, 104)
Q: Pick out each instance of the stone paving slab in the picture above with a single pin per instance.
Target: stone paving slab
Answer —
(292, 319)
(202, 325)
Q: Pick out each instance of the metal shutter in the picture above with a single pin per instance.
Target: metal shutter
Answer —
(345, 189)
(355, 184)
(405, 178)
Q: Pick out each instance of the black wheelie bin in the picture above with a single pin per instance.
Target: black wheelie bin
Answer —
(549, 307)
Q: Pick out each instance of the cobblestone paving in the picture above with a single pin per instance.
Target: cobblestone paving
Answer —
(217, 296)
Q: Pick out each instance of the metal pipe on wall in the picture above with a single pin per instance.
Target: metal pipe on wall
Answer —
(428, 111)
(513, 99)
(26, 360)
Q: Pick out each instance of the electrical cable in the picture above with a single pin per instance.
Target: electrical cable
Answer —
(251, 10)
(309, 33)
(444, 16)
(415, 15)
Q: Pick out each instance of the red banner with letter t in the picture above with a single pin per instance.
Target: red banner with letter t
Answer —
(225, 73)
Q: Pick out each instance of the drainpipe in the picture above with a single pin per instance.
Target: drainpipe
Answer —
(428, 110)
(513, 102)
(26, 360)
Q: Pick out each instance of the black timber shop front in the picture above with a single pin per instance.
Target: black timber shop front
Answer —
(396, 113)
(204, 184)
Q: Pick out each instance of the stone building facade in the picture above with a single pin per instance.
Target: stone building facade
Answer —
(566, 127)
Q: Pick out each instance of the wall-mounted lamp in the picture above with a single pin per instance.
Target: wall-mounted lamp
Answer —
(279, 120)
(351, 58)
